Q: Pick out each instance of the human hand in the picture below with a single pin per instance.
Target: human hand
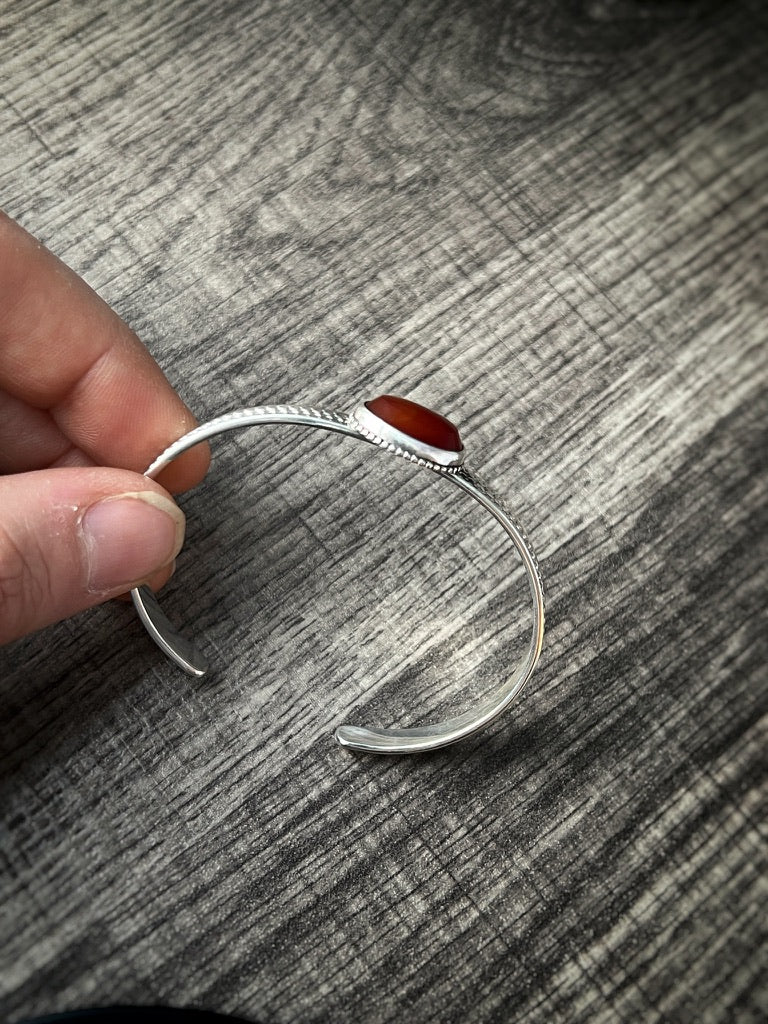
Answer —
(79, 392)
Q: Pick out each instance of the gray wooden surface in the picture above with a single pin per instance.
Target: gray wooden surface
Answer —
(547, 220)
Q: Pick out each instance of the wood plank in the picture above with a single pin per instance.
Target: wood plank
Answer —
(548, 221)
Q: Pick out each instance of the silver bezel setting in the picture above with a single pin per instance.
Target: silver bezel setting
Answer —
(381, 433)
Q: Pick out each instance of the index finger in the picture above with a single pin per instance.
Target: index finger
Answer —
(64, 351)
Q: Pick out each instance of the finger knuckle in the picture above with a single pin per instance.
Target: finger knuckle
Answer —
(22, 584)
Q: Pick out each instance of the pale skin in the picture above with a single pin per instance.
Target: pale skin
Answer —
(84, 409)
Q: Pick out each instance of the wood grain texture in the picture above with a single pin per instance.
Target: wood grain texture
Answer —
(547, 220)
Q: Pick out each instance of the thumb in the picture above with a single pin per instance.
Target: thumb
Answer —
(71, 538)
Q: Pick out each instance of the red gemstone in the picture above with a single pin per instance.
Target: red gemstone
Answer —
(417, 422)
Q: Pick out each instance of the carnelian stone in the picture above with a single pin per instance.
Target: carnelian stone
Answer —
(417, 422)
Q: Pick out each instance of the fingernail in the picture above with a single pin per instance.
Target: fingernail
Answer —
(128, 537)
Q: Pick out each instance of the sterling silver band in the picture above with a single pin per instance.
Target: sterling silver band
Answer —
(381, 741)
